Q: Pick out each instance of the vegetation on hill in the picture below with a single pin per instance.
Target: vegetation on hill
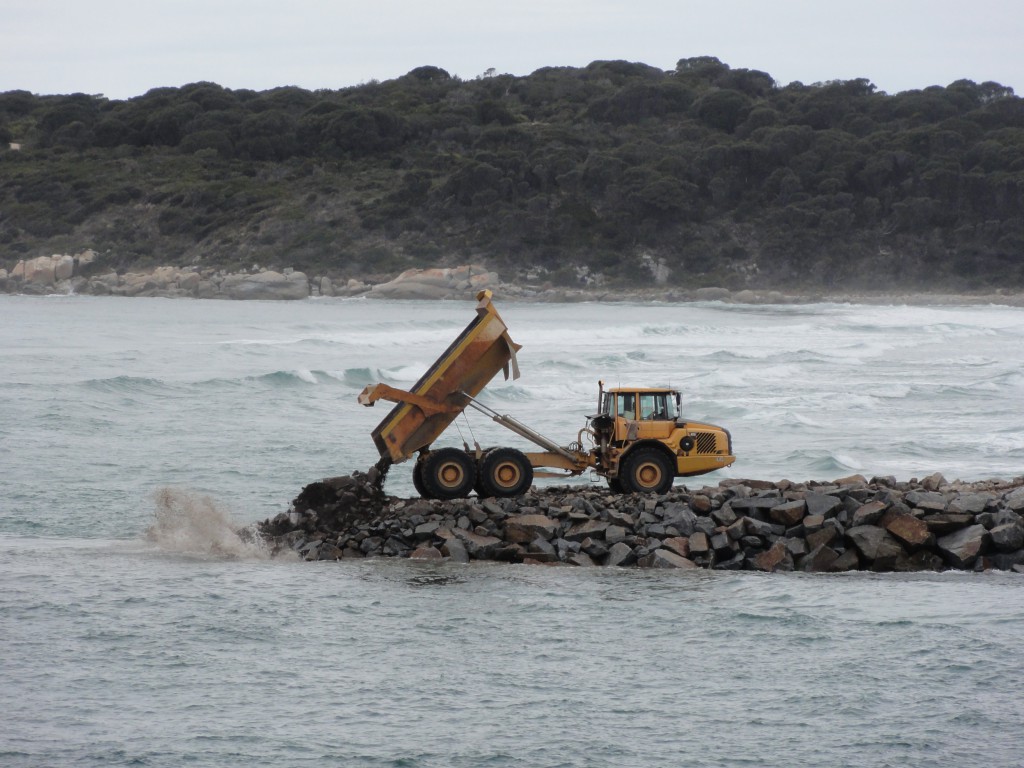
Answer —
(705, 175)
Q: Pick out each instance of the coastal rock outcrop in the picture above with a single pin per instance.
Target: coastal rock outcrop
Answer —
(448, 283)
(843, 525)
(289, 285)
(86, 273)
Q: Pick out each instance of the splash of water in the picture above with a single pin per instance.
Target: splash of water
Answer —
(189, 523)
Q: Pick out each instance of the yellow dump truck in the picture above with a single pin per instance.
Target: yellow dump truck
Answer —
(637, 441)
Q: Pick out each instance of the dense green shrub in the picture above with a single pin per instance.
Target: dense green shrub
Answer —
(721, 174)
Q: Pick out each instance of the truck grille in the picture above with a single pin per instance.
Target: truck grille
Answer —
(706, 442)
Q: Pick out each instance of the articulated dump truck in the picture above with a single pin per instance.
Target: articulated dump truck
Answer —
(637, 441)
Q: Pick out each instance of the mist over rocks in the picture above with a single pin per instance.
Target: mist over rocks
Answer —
(848, 524)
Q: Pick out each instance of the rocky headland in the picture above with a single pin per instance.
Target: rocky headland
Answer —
(87, 273)
(844, 525)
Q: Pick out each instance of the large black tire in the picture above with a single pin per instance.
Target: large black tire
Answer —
(504, 472)
(614, 485)
(448, 473)
(417, 479)
(646, 470)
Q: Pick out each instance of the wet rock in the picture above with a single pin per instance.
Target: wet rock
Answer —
(620, 554)
(788, 514)
(479, 547)
(921, 560)
(971, 503)
(796, 547)
(1007, 537)
(1008, 562)
(775, 559)
(725, 516)
(586, 529)
(943, 523)
(723, 545)
(869, 514)
(1015, 500)
(734, 563)
(908, 529)
(961, 549)
(525, 528)
(875, 545)
(678, 544)
(927, 500)
(821, 504)
(819, 560)
(699, 544)
(664, 558)
(614, 534)
(813, 523)
(426, 553)
(847, 561)
(542, 550)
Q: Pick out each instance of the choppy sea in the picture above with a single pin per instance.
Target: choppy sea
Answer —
(137, 629)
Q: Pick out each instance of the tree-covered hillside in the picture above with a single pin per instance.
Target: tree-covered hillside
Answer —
(705, 175)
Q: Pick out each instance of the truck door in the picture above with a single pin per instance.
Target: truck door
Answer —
(625, 416)
(654, 416)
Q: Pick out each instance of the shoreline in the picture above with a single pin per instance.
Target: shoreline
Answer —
(84, 274)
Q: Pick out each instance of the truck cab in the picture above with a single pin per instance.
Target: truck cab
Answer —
(644, 442)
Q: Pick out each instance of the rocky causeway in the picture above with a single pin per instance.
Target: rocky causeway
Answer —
(848, 524)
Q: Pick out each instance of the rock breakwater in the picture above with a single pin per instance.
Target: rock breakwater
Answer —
(844, 525)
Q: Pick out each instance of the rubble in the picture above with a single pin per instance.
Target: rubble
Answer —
(842, 525)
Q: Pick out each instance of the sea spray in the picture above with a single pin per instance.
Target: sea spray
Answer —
(190, 523)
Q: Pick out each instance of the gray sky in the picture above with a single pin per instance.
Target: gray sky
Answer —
(122, 48)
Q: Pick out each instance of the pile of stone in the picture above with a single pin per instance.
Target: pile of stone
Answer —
(848, 524)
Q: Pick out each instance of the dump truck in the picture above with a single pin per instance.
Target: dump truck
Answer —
(637, 441)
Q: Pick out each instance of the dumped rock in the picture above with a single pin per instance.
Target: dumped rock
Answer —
(814, 527)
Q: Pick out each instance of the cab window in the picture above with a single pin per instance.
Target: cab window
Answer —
(626, 405)
(608, 404)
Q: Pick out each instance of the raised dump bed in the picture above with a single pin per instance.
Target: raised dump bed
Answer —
(482, 350)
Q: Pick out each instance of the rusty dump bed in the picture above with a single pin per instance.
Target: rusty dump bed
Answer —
(468, 365)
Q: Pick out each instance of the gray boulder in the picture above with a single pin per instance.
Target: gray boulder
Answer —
(266, 285)
(876, 545)
(523, 529)
(1008, 537)
(620, 554)
(961, 549)
(664, 558)
(822, 504)
(1015, 500)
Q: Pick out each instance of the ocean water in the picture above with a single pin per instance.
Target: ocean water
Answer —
(137, 628)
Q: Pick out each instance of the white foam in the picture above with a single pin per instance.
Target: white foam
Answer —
(186, 522)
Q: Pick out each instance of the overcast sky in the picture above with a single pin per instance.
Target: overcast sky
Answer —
(122, 48)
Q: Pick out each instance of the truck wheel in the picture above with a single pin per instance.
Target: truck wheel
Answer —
(448, 473)
(646, 470)
(614, 485)
(504, 472)
(417, 479)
